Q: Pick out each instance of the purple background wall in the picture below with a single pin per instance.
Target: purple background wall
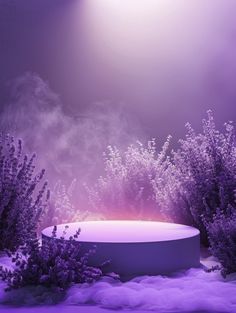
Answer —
(158, 63)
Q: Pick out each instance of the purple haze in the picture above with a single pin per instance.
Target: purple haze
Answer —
(77, 76)
(167, 62)
(109, 72)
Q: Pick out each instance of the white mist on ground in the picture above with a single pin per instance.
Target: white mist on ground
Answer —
(193, 290)
(190, 291)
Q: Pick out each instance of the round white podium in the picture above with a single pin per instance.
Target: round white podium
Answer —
(136, 247)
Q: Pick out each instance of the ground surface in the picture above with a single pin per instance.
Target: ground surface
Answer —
(188, 291)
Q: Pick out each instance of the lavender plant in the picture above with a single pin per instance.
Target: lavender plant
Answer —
(55, 264)
(222, 239)
(126, 191)
(21, 200)
(61, 209)
(203, 176)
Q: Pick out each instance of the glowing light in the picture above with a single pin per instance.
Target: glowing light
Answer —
(124, 32)
(126, 231)
(130, 6)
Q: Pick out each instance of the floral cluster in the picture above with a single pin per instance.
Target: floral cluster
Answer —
(126, 191)
(195, 185)
(222, 239)
(54, 264)
(60, 208)
(22, 200)
(203, 178)
(191, 186)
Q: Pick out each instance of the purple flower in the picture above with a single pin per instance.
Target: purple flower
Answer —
(22, 200)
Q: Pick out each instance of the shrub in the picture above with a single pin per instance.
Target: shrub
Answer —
(126, 191)
(222, 239)
(203, 176)
(60, 209)
(56, 263)
(21, 200)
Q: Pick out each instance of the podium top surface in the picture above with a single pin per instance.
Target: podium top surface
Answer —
(119, 231)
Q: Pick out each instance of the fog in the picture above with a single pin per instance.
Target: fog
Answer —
(191, 291)
(188, 291)
(67, 146)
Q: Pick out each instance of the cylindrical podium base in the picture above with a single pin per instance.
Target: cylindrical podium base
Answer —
(136, 247)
